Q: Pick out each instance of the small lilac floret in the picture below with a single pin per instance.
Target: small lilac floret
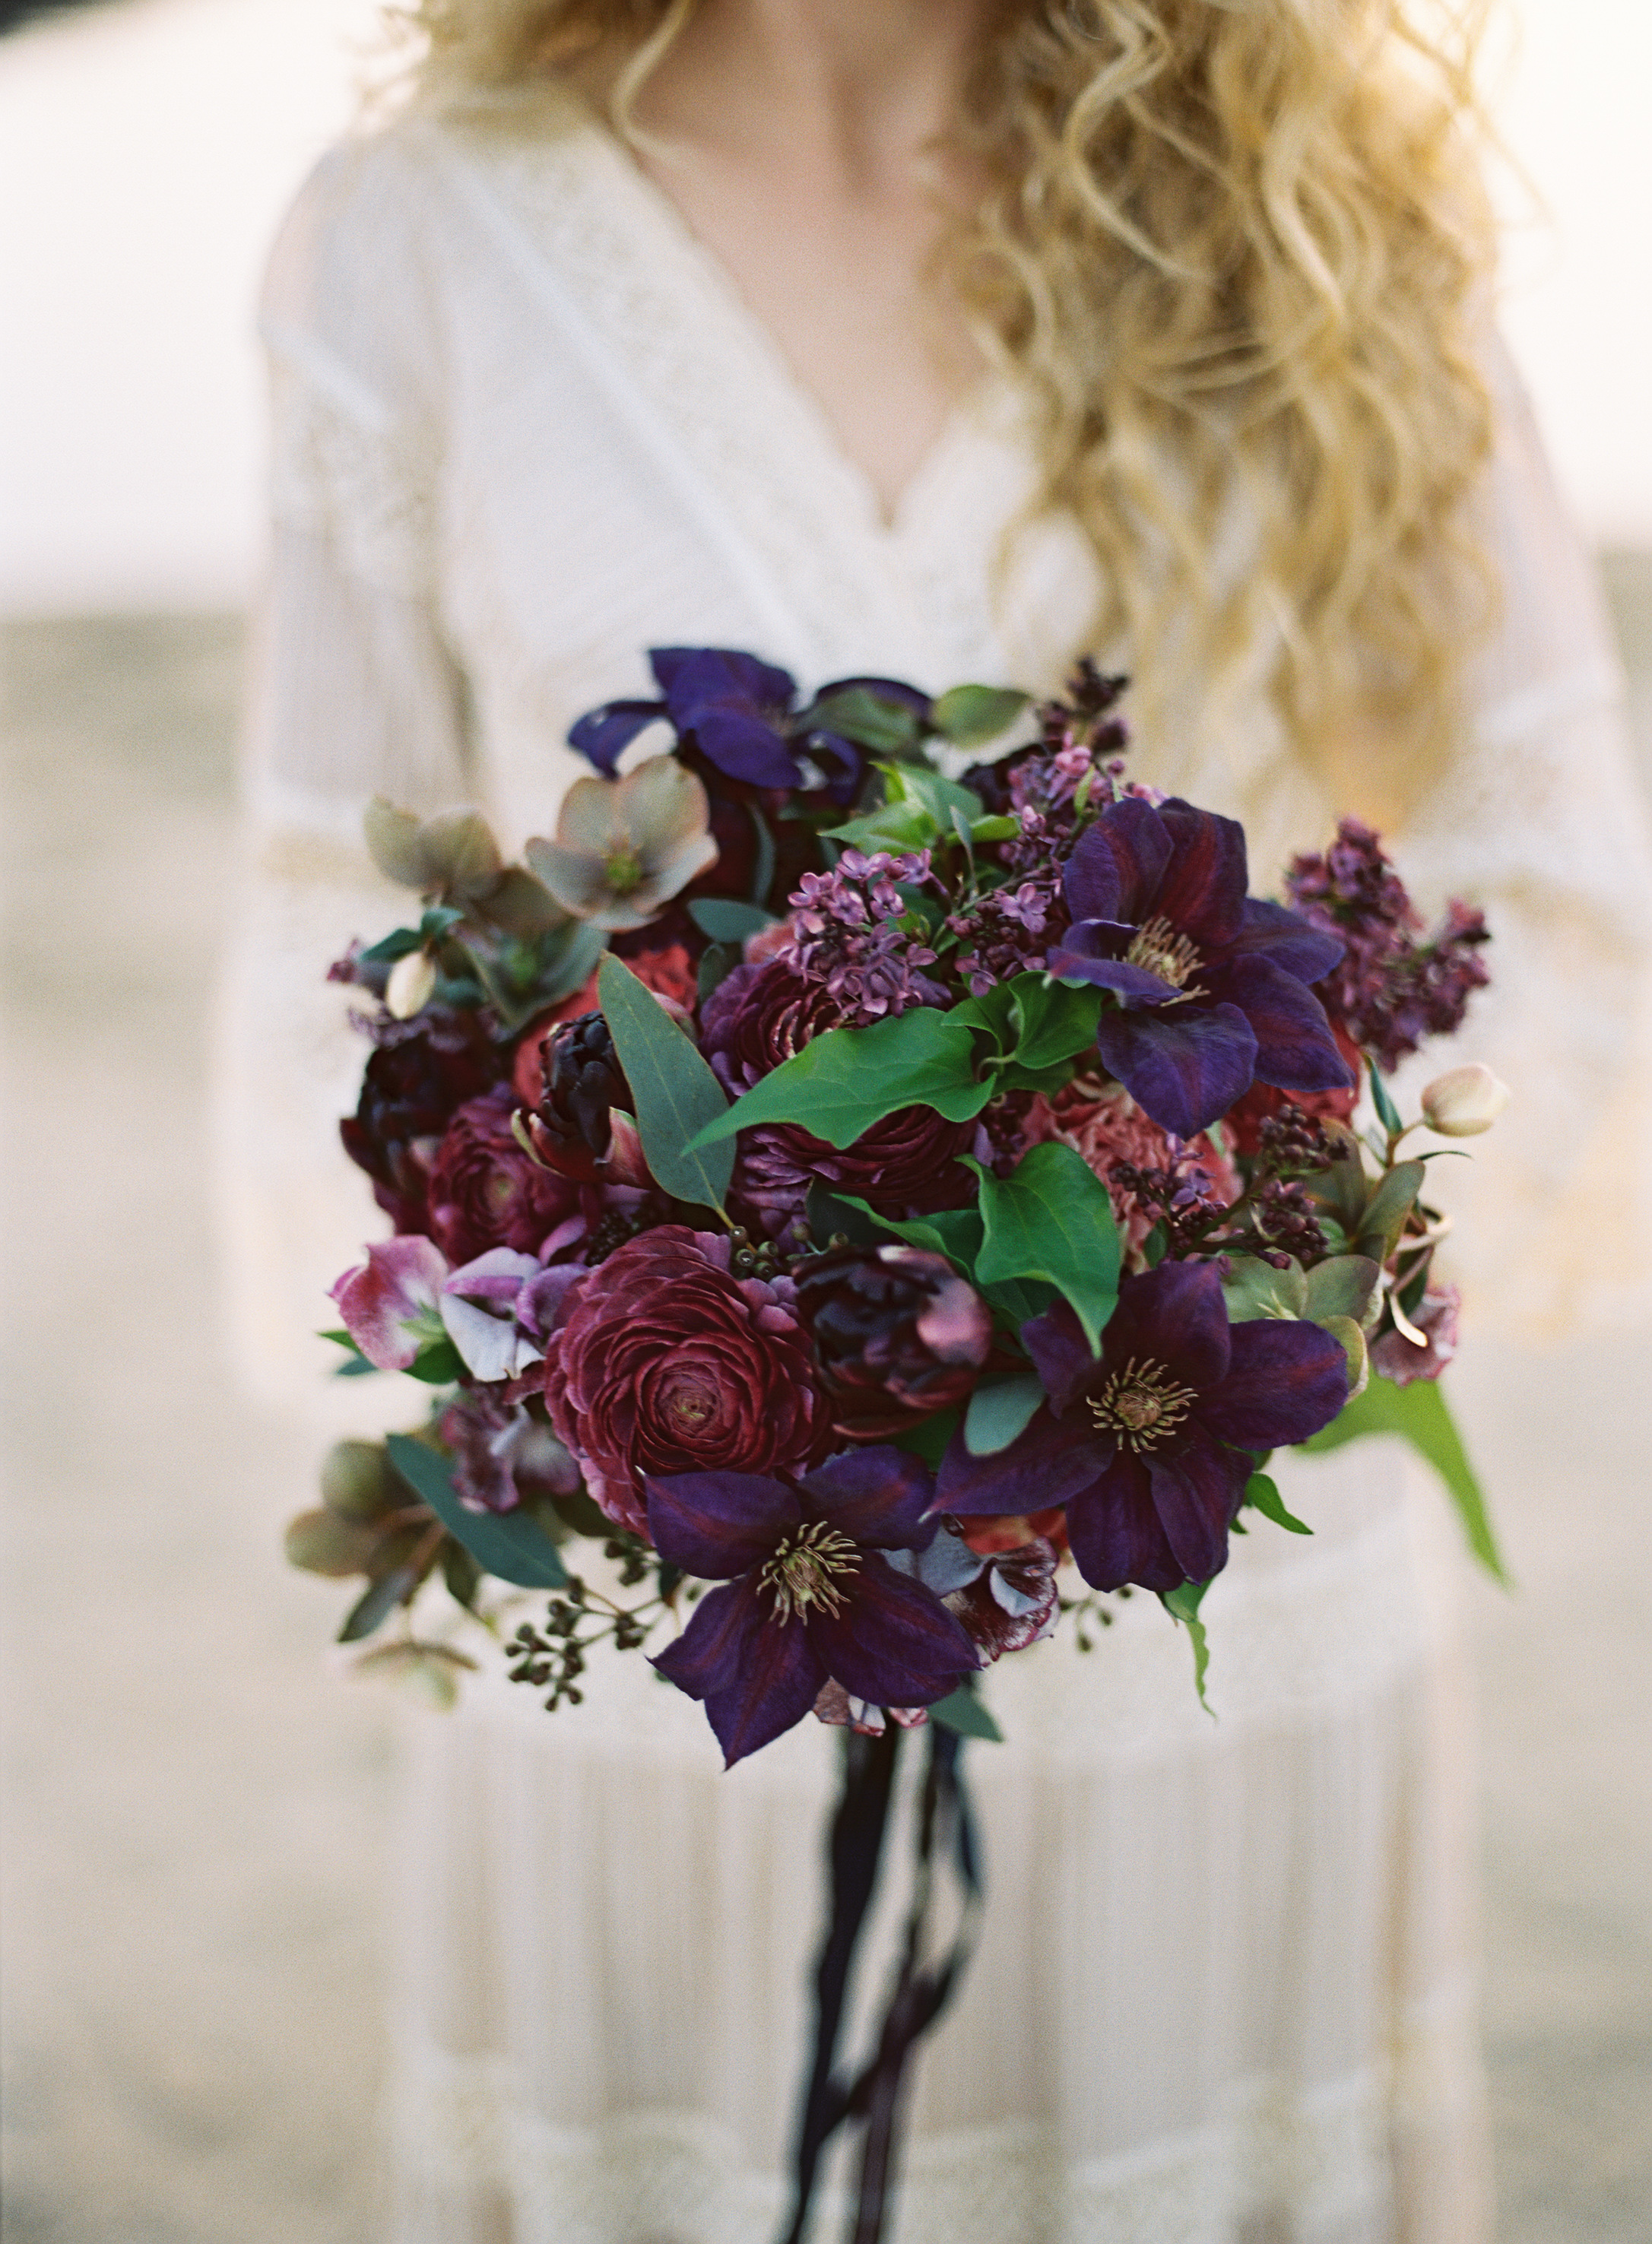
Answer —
(809, 1597)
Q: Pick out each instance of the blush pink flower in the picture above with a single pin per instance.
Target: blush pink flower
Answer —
(1104, 1126)
(390, 1306)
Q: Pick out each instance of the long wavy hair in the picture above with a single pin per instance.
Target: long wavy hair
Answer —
(1238, 254)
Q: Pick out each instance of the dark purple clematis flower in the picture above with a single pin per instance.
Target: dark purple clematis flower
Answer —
(1211, 985)
(809, 1596)
(740, 712)
(1145, 1445)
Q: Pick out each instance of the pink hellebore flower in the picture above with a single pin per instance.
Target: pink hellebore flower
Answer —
(624, 847)
(391, 1307)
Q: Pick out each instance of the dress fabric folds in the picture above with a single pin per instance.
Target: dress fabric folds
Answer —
(524, 428)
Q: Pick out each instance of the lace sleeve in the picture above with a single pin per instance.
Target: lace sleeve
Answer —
(1540, 818)
(354, 692)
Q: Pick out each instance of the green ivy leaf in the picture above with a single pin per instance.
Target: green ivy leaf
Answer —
(1264, 1494)
(676, 1092)
(1419, 1414)
(1055, 1021)
(997, 1413)
(1182, 1604)
(938, 797)
(872, 721)
(953, 1232)
(508, 1544)
(1053, 1220)
(438, 1363)
(844, 1081)
(727, 920)
(964, 1712)
(995, 829)
(930, 1438)
(971, 714)
(897, 827)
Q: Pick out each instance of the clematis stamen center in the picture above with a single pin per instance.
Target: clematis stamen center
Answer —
(807, 1569)
(1142, 1405)
(1157, 949)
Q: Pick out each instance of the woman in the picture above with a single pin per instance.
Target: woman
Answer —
(949, 340)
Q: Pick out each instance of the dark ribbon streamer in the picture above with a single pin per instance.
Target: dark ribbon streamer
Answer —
(876, 2096)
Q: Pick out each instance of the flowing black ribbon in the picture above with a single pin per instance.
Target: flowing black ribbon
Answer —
(875, 2096)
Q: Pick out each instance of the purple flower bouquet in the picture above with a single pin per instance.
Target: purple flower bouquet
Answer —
(877, 1216)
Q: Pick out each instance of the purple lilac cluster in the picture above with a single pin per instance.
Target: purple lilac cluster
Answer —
(1390, 989)
(848, 939)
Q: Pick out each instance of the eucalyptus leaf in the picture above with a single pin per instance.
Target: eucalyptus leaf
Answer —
(997, 1413)
(964, 1713)
(506, 1543)
(1182, 1604)
(762, 878)
(1052, 1219)
(1264, 1494)
(1419, 1414)
(377, 1602)
(843, 1082)
(725, 920)
(1387, 1112)
(970, 715)
(675, 1091)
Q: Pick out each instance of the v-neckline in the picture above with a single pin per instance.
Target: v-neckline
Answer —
(659, 211)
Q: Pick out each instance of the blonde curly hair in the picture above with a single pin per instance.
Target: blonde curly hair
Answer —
(1238, 253)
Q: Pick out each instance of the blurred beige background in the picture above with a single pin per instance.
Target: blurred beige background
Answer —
(197, 1862)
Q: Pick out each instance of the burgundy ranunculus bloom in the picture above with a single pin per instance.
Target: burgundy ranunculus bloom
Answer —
(1146, 1444)
(485, 1192)
(809, 1597)
(760, 1015)
(423, 1070)
(662, 1362)
(904, 1165)
(897, 1334)
(1211, 986)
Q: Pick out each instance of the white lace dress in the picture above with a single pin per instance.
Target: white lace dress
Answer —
(524, 429)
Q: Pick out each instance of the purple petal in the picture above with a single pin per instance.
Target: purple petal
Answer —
(713, 1652)
(893, 1642)
(1286, 1381)
(499, 1276)
(876, 1496)
(1296, 1050)
(1115, 1534)
(540, 1304)
(744, 747)
(1060, 1354)
(1087, 954)
(1184, 1067)
(603, 736)
(1196, 1489)
(718, 1524)
(690, 677)
(398, 1287)
(1204, 892)
(781, 1676)
(1271, 931)
(1115, 871)
(1175, 1316)
(1042, 1467)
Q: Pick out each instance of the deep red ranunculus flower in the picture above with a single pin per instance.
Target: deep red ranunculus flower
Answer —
(663, 1361)
(485, 1192)
(422, 1073)
(760, 1015)
(904, 1165)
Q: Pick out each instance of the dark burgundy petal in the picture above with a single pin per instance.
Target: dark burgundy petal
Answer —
(1060, 1354)
(1195, 1490)
(714, 1651)
(1202, 895)
(1040, 1469)
(1184, 1066)
(1273, 931)
(1285, 1382)
(715, 1524)
(1087, 954)
(1121, 861)
(1175, 1316)
(604, 735)
(780, 1680)
(876, 1496)
(1296, 1050)
(1114, 1531)
(893, 1642)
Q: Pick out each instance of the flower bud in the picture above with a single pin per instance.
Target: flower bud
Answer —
(411, 985)
(1465, 1100)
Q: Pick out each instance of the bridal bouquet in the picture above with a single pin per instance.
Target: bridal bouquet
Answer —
(879, 1206)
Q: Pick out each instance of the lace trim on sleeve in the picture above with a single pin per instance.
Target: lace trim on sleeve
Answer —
(344, 465)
